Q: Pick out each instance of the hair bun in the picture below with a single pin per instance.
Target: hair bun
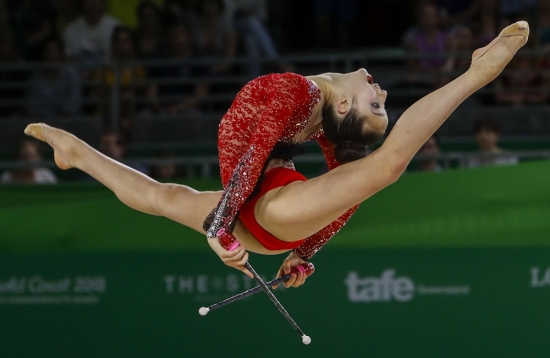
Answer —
(348, 152)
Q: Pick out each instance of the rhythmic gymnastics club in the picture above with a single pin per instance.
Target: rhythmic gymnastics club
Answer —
(306, 268)
(229, 243)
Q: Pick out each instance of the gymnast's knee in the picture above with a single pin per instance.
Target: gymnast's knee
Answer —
(393, 167)
(396, 170)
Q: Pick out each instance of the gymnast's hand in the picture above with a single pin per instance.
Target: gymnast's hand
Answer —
(296, 280)
(236, 258)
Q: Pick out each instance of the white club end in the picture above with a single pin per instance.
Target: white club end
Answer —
(203, 311)
(306, 340)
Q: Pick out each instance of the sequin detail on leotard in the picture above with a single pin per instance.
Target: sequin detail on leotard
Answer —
(267, 110)
(316, 241)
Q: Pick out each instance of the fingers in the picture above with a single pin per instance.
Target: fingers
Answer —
(288, 283)
(231, 256)
(287, 266)
(225, 254)
(296, 280)
(243, 259)
(279, 275)
(300, 280)
(237, 258)
(285, 269)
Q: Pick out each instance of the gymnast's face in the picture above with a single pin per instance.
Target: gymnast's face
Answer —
(366, 98)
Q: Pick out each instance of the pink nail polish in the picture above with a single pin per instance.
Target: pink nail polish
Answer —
(220, 232)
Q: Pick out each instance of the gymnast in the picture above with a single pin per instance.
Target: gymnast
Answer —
(266, 205)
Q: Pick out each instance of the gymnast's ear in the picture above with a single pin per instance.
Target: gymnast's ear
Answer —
(343, 105)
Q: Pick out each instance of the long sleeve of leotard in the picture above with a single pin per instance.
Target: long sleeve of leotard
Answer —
(315, 242)
(245, 143)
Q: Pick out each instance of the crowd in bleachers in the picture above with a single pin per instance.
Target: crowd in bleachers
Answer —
(86, 27)
(460, 27)
(88, 33)
(89, 36)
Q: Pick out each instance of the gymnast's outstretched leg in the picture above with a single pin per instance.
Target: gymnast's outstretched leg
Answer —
(133, 188)
(300, 209)
(177, 202)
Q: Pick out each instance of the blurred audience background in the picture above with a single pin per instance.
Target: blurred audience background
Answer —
(28, 152)
(159, 74)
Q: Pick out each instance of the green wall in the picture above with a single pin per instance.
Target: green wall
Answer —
(483, 207)
(455, 264)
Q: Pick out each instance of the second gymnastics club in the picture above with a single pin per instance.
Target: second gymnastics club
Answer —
(306, 268)
(228, 241)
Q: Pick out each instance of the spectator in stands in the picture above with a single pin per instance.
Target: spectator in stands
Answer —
(487, 134)
(9, 54)
(112, 145)
(67, 12)
(515, 9)
(462, 44)
(524, 82)
(125, 10)
(175, 99)
(216, 36)
(123, 51)
(167, 170)
(543, 23)
(37, 25)
(457, 12)
(489, 21)
(341, 14)
(89, 37)
(182, 11)
(248, 17)
(28, 152)
(431, 147)
(6, 33)
(150, 32)
(428, 40)
(55, 91)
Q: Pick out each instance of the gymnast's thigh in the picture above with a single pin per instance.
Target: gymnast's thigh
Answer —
(290, 213)
(185, 205)
(190, 207)
(300, 209)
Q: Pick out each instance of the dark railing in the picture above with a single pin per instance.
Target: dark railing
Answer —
(103, 108)
(388, 66)
(207, 166)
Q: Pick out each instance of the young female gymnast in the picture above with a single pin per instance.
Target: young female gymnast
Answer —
(266, 205)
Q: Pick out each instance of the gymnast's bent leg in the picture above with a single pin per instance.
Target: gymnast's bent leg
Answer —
(302, 208)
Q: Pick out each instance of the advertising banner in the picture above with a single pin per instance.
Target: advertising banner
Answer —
(359, 303)
(452, 264)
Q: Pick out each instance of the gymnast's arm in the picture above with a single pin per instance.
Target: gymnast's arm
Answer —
(272, 121)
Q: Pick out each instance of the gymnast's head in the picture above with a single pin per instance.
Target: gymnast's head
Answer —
(354, 116)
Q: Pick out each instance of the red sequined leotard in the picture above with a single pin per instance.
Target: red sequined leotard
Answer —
(269, 109)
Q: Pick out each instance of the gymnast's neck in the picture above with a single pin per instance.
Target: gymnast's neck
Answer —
(324, 83)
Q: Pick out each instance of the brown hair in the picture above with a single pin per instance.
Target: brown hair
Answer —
(486, 124)
(348, 134)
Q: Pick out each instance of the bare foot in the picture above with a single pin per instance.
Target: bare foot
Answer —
(58, 139)
(490, 60)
